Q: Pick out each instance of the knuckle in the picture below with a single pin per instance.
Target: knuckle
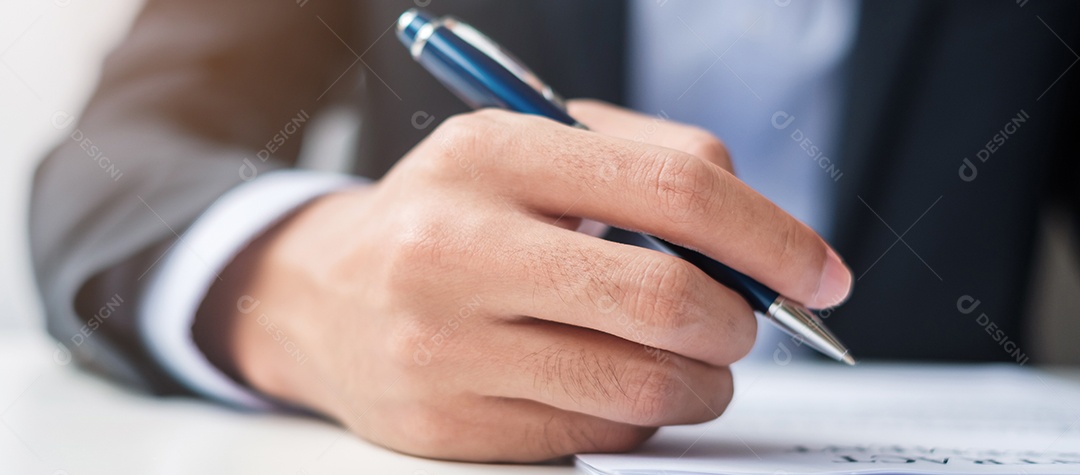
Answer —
(428, 248)
(466, 126)
(654, 396)
(666, 296)
(463, 140)
(585, 102)
(551, 438)
(588, 277)
(460, 130)
(681, 187)
(582, 376)
(704, 144)
(558, 437)
(493, 116)
(574, 373)
(424, 245)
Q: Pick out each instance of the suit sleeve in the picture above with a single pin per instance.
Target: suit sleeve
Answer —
(180, 281)
(201, 96)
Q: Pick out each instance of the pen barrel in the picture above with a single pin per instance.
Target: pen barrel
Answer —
(756, 294)
(481, 78)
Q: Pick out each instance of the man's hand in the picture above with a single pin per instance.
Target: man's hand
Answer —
(452, 311)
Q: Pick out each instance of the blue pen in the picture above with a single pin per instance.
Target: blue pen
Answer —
(483, 74)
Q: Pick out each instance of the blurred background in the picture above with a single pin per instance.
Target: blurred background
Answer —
(50, 57)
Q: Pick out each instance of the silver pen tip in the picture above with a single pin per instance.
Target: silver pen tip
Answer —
(803, 324)
(848, 359)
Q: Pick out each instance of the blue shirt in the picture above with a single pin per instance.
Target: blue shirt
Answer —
(763, 75)
(766, 77)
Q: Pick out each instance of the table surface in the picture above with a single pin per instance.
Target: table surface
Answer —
(60, 420)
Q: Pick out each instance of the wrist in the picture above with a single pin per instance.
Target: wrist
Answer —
(260, 323)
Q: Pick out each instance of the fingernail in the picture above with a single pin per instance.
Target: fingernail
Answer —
(835, 282)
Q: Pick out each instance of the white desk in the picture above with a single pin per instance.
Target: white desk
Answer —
(58, 420)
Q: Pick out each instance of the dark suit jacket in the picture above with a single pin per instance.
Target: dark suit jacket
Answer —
(200, 86)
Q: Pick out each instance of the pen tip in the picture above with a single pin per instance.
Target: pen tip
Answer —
(848, 359)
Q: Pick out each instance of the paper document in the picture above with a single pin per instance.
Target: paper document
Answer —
(874, 419)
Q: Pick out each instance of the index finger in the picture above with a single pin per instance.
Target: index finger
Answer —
(671, 194)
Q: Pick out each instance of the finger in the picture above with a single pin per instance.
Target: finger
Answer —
(658, 130)
(494, 429)
(635, 294)
(658, 190)
(547, 272)
(584, 371)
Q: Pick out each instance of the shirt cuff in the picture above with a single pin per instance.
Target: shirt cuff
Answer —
(180, 283)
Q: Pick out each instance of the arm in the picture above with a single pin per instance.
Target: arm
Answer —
(197, 89)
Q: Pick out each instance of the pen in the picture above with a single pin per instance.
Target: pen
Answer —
(483, 74)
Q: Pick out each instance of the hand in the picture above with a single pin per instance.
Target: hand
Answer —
(452, 311)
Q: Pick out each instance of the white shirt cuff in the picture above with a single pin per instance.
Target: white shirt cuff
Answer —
(183, 277)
